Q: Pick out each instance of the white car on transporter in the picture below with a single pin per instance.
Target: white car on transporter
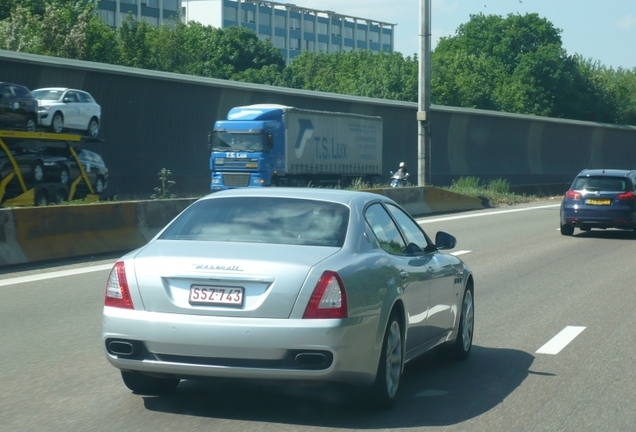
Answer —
(63, 108)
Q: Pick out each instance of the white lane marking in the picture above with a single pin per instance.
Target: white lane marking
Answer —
(51, 275)
(492, 213)
(560, 341)
(461, 252)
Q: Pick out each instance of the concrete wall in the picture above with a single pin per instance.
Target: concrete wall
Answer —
(153, 120)
(33, 234)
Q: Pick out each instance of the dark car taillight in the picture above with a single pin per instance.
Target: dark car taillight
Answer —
(626, 196)
(573, 195)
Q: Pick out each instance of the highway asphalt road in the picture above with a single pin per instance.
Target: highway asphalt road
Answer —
(554, 348)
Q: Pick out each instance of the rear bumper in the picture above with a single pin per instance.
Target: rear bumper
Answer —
(280, 349)
(586, 217)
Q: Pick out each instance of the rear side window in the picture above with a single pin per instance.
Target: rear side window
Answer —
(21, 91)
(603, 183)
(262, 220)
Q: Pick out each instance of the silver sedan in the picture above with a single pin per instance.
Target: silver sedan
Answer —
(287, 284)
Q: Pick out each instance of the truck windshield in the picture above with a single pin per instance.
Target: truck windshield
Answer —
(235, 142)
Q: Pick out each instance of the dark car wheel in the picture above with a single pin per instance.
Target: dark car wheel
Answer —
(460, 350)
(31, 124)
(99, 185)
(57, 122)
(64, 176)
(93, 128)
(149, 385)
(387, 380)
(41, 198)
(38, 172)
(567, 230)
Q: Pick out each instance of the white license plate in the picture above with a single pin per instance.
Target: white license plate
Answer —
(216, 295)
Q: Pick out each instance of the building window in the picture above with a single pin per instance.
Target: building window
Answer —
(129, 1)
(294, 44)
(280, 21)
(279, 42)
(264, 37)
(322, 46)
(150, 3)
(170, 5)
(335, 48)
(347, 48)
(360, 34)
(264, 19)
(322, 28)
(294, 23)
(107, 16)
(122, 17)
(247, 16)
(230, 13)
(309, 24)
(310, 45)
(154, 21)
(386, 38)
(374, 36)
(335, 29)
(349, 32)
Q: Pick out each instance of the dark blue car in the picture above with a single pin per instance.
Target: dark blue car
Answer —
(600, 198)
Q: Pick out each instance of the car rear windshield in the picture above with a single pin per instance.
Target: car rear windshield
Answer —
(262, 220)
(602, 183)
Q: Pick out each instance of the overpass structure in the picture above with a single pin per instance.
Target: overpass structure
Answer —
(153, 120)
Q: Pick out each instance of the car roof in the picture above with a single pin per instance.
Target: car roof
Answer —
(54, 88)
(606, 172)
(347, 197)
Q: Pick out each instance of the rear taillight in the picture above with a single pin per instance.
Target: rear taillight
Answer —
(572, 195)
(626, 196)
(117, 292)
(329, 299)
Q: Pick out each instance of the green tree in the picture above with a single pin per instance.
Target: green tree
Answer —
(514, 64)
(62, 28)
(360, 73)
(133, 37)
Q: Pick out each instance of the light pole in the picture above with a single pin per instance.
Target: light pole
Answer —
(424, 96)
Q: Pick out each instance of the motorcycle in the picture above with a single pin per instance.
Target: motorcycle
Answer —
(398, 180)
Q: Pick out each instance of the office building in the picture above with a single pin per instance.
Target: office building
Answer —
(155, 12)
(292, 28)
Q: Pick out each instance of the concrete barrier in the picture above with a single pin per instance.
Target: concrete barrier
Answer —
(33, 234)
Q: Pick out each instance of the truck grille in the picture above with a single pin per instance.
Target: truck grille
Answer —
(236, 179)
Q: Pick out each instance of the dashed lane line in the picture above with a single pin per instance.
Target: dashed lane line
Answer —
(561, 340)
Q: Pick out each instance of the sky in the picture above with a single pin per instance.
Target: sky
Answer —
(600, 30)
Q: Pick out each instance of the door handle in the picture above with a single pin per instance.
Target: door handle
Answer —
(404, 274)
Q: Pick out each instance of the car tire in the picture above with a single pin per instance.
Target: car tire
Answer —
(461, 347)
(41, 198)
(99, 185)
(93, 128)
(31, 124)
(37, 173)
(57, 122)
(61, 196)
(387, 380)
(65, 176)
(148, 385)
(567, 230)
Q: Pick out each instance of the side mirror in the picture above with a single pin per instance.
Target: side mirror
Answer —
(444, 240)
